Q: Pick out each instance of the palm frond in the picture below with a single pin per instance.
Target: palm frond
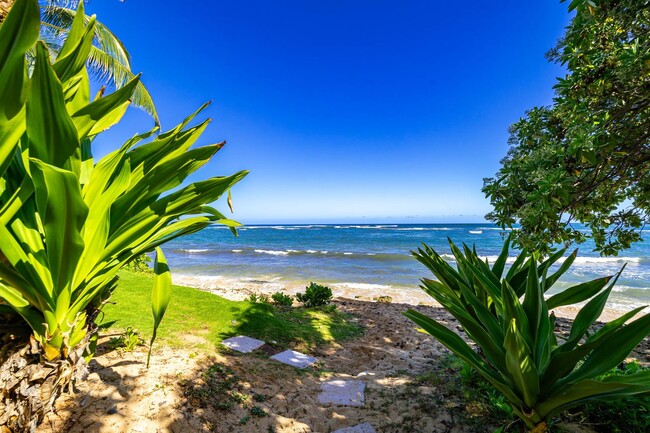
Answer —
(104, 68)
(109, 61)
(61, 17)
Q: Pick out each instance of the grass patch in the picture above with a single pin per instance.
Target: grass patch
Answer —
(199, 319)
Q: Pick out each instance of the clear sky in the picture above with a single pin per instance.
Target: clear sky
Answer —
(368, 111)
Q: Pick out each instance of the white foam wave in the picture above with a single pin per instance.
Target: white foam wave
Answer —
(272, 252)
(433, 229)
(476, 232)
(236, 251)
(363, 286)
(587, 260)
(578, 260)
(195, 250)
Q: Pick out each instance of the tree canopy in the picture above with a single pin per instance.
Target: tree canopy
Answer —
(585, 158)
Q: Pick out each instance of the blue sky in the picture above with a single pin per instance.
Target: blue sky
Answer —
(368, 111)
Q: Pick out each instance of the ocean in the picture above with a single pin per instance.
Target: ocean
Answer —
(372, 258)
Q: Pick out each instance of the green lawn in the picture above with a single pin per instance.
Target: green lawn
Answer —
(199, 319)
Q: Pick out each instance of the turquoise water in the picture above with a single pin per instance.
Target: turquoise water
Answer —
(373, 257)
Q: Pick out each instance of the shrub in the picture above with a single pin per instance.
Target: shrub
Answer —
(139, 264)
(384, 299)
(68, 222)
(258, 298)
(281, 299)
(315, 295)
(520, 353)
(628, 415)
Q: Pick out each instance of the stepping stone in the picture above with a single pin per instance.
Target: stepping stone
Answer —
(296, 359)
(342, 392)
(361, 428)
(242, 344)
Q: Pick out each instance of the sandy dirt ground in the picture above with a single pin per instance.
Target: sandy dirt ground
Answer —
(226, 391)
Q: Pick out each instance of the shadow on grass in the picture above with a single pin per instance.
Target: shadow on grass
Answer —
(293, 327)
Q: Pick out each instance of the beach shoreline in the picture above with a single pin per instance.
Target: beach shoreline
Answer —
(242, 290)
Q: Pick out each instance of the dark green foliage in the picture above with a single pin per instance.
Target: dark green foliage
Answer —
(259, 298)
(258, 411)
(520, 355)
(629, 415)
(140, 263)
(315, 295)
(282, 300)
(586, 157)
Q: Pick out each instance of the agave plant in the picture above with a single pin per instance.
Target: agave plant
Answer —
(68, 223)
(508, 317)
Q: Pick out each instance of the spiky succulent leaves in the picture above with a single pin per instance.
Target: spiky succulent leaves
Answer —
(18, 33)
(68, 225)
(160, 294)
(63, 212)
(521, 356)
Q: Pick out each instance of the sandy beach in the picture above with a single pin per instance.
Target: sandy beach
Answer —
(406, 373)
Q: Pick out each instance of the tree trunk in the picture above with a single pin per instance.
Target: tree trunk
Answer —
(5, 6)
(541, 427)
(29, 385)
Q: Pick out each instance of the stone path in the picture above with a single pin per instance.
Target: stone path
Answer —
(296, 359)
(243, 344)
(341, 392)
(361, 428)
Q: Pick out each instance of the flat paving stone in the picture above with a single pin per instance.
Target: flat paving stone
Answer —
(342, 392)
(243, 344)
(295, 359)
(361, 428)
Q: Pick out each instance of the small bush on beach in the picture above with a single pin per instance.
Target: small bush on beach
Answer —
(259, 298)
(140, 263)
(507, 315)
(315, 295)
(384, 299)
(282, 300)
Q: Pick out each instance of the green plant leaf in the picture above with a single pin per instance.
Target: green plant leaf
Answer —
(160, 295)
(52, 135)
(612, 349)
(18, 33)
(63, 212)
(577, 293)
(520, 365)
